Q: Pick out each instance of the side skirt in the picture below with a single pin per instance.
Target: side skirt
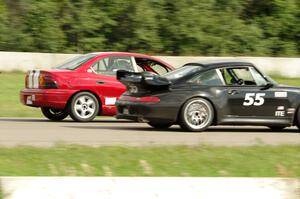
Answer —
(256, 121)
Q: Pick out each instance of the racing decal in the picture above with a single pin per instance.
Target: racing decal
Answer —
(133, 89)
(30, 79)
(280, 94)
(280, 108)
(255, 99)
(33, 79)
(291, 110)
(36, 79)
(110, 100)
(280, 111)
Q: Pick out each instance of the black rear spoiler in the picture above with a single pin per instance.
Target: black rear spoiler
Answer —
(144, 81)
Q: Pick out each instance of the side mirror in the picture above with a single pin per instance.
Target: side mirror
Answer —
(267, 86)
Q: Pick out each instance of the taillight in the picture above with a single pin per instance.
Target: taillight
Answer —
(46, 81)
(147, 99)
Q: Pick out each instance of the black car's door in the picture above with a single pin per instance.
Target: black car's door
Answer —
(255, 102)
(249, 97)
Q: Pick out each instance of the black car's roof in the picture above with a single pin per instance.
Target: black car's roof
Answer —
(220, 63)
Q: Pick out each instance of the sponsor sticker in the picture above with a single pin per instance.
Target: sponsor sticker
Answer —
(126, 111)
(133, 89)
(149, 78)
(110, 100)
(279, 113)
(280, 94)
(280, 108)
(291, 110)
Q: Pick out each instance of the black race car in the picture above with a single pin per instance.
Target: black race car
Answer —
(201, 94)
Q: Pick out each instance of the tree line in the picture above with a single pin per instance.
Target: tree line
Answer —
(166, 27)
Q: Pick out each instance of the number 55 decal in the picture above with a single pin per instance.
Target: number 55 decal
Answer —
(255, 99)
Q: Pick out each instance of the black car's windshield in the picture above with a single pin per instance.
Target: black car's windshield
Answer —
(181, 72)
(74, 63)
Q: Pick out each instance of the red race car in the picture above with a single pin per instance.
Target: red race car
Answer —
(85, 86)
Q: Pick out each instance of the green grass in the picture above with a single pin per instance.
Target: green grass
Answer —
(73, 160)
(12, 83)
(10, 105)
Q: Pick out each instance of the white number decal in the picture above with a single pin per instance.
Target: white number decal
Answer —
(255, 99)
(259, 100)
(249, 100)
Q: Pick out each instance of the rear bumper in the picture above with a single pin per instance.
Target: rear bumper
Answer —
(52, 98)
(145, 112)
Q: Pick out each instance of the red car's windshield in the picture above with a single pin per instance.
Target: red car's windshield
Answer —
(74, 63)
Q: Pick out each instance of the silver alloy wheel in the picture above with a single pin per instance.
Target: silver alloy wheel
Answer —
(85, 107)
(197, 114)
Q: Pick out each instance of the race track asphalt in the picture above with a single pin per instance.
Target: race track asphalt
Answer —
(112, 132)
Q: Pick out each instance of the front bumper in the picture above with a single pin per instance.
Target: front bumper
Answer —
(145, 112)
(52, 98)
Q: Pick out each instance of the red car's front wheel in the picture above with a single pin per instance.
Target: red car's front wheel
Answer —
(84, 107)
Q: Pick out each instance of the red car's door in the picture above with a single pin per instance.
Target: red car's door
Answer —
(107, 86)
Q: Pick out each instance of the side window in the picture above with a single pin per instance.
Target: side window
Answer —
(244, 74)
(110, 65)
(238, 76)
(210, 77)
(259, 79)
(159, 69)
(145, 64)
(100, 66)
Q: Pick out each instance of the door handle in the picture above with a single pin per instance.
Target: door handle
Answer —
(233, 92)
(100, 82)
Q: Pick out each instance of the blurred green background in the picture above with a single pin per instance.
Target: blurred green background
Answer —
(164, 27)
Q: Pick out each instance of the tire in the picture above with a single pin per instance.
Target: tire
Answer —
(277, 128)
(197, 115)
(54, 114)
(157, 125)
(297, 119)
(84, 107)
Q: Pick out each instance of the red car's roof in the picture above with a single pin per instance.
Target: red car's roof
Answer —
(132, 54)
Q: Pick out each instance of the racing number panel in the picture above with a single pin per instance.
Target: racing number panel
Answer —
(252, 101)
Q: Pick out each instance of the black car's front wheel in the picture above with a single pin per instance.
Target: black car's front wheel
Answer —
(197, 115)
(54, 114)
(297, 118)
(277, 128)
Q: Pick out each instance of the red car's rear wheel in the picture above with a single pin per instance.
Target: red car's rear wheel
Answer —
(54, 114)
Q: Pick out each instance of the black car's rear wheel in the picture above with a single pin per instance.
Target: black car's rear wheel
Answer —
(197, 115)
(84, 107)
(54, 114)
(162, 125)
